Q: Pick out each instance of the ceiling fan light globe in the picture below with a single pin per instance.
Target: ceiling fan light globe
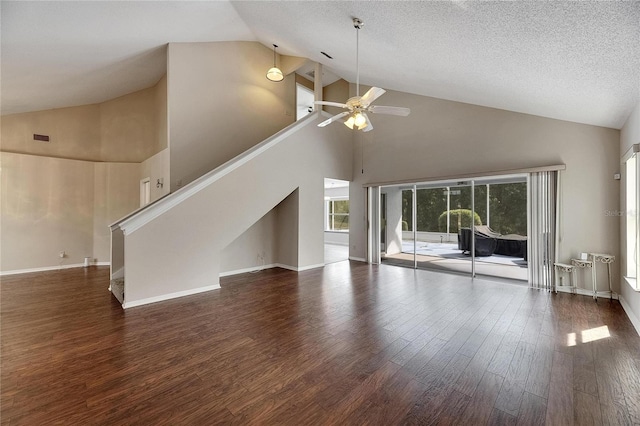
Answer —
(349, 123)
(274, 74)
(360, 120)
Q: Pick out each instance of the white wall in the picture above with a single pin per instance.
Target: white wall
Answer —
(220, 104)
(288, 212)
(629, 135)
(444, 139)
(180, 251)
(256, 247)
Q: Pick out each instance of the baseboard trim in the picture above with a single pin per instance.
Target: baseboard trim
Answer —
(358, 259)
(298, 268)
(270, 266)
(247, 270)
(632, 317)
(155, 299)
(585, 292)
(43, 269)
(50, 268)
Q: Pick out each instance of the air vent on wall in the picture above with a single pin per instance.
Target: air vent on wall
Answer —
(42, 138)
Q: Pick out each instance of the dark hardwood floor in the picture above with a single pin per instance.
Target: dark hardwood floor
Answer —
(347, 344)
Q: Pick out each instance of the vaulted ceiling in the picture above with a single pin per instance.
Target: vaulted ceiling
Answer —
(576, 61)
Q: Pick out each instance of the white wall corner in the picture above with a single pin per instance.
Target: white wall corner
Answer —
(632, 317)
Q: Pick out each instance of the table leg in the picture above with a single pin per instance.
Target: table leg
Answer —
(593, 281)
(609, 272)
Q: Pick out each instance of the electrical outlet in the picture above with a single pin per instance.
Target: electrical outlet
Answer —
(62, 254)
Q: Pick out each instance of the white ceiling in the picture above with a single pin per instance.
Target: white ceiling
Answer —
(576, 61)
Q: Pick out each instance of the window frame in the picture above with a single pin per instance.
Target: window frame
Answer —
(329, 223)
(631, 214)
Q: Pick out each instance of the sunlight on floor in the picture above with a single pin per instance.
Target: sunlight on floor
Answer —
(595, 334)
(590, 335)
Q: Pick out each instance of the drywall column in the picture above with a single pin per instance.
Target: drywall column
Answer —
(310, 224)
(394, 220)
(317, 86)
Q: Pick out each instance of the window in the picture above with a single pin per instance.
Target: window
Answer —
(338, 215)
(632, 219)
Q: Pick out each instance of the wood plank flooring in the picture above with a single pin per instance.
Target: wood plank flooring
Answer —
(346, 344)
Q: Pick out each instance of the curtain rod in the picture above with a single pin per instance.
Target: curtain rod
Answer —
(470, 175)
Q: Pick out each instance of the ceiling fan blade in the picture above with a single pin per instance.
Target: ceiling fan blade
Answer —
(369, 125)
(327, 103)
(379, 109)
(371, 95)
(332, 119)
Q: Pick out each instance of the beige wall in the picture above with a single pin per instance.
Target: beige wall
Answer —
(47, 207)
(82, 197)
(127, 125)
(444, 139)
(303, 81)
(116, 193)
(154, 168)
(130, 128)
(74, 133)
(629, 135)
(335, 92)
(221, 104)
(51, 205)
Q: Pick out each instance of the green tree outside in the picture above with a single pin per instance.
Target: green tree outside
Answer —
(507, 206)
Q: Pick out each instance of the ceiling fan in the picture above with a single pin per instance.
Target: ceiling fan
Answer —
(358, 106)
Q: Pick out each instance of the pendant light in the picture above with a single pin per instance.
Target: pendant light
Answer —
(274, 74)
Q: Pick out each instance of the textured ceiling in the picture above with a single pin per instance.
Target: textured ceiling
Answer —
(576, 61)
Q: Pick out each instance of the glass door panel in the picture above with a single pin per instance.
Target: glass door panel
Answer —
(397, 226)
(501, 205)
(443, 225)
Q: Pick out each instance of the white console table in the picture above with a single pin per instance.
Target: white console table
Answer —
(596, 258)
(571, 271)
(580, 263)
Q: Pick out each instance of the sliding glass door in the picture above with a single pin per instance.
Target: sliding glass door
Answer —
(444, 226)
(472, 227)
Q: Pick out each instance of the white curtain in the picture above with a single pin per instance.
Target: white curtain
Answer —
(543, 208)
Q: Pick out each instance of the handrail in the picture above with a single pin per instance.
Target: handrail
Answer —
(140, 217)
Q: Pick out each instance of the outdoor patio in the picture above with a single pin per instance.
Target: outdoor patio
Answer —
(447, 256)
